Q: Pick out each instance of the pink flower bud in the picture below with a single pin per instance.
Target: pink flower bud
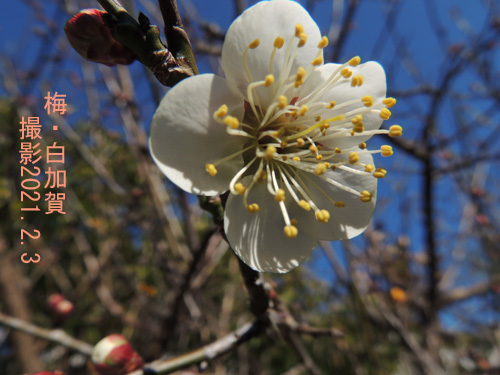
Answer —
(60, 306)
(113, 355)
(89, 33)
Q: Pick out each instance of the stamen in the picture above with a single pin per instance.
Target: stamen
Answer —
(380, 173)
(269, 80)
(340, 204)
(354, 61)
(323, 42)
(279, 42)
(299, 29)
(331, 105)
(303, 204)
(395, 131)
(303, 110)
(254, 44)
(299, 78)
(346, 72)
(385, 114)
(282, 102)
(221, 112)
(367, 100)
(386, 150)
(317, 61)
(291, 231)
(322, 216)
(253, 208)
(211, 169)
(369, 168)
(362, 145)
(240, 188)
(389, 102)
(366, 196)
(357, 80)
(270, 151)
(353, 157)
(232, 122)
(280, 195)
(303, 39)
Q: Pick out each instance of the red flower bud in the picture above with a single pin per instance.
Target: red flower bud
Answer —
(89, 33)
(60, 306)
(113, 355)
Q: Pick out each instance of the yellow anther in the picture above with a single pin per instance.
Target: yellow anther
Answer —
(300, 142)
(320, 169)
(279, 133)
(317, 61)
(389, 102)
(366, 196)
(313, 149)
(323, 42)
(362, 145)
(279, 42)
(395, 131)
(240, 188)
(299, 29)
(298, 128)
(269, 80)
(254, 44)
(323, 216)
(379, 173)
(317, 118)
(222, 111)
(331, 105)
(333, 167)
(338, 150)
(296, 158)
(385, 114)
(327, 164)
(354, 61)
(319, 157)
(346, 72)
(357, 119)
(299, 78)
(369, 168)
(353, 157)
(303, 110)
(386, 150)
(303, 204)
(284, 157)
(294, 222)
(232, 122)
(211, 169)
(284, 144)
(262, 176)
(358, 128)
(357, 81)
(253, 208)
(367, 100)
(339, 204)
(303, 39)
(282, 102)
(270, 151)
(280, 195)
(291, 231)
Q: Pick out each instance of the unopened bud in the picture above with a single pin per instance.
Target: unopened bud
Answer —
(60, 307)
(89, 33)
(113, 355)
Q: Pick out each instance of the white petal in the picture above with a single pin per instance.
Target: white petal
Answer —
(265, 21)
(185, 137)
(258, 239)
(351, 220)
(374, 85)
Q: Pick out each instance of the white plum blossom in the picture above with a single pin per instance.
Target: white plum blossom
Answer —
(283, 132)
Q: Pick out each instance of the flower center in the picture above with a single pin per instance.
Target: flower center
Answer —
(291, 137)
